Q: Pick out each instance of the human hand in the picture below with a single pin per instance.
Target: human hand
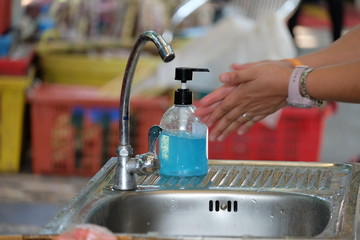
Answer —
(250, 93)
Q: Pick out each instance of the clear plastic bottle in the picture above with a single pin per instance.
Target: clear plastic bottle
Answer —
(183, 140)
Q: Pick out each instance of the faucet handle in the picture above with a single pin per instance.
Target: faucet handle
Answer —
(153, 135)
(146, 163)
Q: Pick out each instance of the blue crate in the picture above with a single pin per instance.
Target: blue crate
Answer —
(5, 44)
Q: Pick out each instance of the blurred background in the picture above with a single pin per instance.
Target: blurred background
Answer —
(61, 68)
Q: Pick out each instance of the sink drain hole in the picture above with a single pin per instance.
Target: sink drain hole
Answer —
(217, 206)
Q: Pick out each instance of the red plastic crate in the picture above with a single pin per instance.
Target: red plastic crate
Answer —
(298, 137)
(5, 15)
(75, 130)
(16, 66)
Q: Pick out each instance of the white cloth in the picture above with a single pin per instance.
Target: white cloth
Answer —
(234, 39)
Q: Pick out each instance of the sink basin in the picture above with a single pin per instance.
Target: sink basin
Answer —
(237, 199)
(213, 213)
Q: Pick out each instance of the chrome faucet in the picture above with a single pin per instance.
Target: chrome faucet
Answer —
(128, 166)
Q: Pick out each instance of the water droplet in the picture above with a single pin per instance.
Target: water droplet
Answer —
(256, 204)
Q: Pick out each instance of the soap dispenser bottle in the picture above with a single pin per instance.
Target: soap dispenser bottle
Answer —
(183, 140)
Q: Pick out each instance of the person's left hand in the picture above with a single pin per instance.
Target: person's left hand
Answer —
(250, 93)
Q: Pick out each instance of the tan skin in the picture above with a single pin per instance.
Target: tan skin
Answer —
(260, 89)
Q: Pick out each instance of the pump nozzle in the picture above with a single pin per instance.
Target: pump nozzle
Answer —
(185, 73)
(183, 96)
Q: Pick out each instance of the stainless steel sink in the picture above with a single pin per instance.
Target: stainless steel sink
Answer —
(250, 199)
(214, 213)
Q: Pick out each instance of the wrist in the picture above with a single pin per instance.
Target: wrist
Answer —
(281, 75)
(293, 62)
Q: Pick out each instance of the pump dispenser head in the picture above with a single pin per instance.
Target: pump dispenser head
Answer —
(183, 96)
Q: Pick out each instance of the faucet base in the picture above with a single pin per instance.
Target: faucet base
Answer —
(124, 179)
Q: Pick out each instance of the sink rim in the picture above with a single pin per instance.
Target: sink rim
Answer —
(252, 199)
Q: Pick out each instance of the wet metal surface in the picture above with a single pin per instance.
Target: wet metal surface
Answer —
(214, 213)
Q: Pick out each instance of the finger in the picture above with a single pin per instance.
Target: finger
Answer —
(249, 124)
(226, 106)
(201, 112)
(236, 77)
(231, 128)
(236, 66)
(245, 127)
(221, 131)
(216, 96)
(206, 108)
(228, 123)
(235, 120)
(205, 119)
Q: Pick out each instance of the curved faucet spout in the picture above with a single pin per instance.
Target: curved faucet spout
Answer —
(167, 55)
(124, 178)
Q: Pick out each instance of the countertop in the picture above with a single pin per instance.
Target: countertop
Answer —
(28, 201)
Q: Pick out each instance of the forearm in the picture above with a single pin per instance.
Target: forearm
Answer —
(345, 49)
(339, 82)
